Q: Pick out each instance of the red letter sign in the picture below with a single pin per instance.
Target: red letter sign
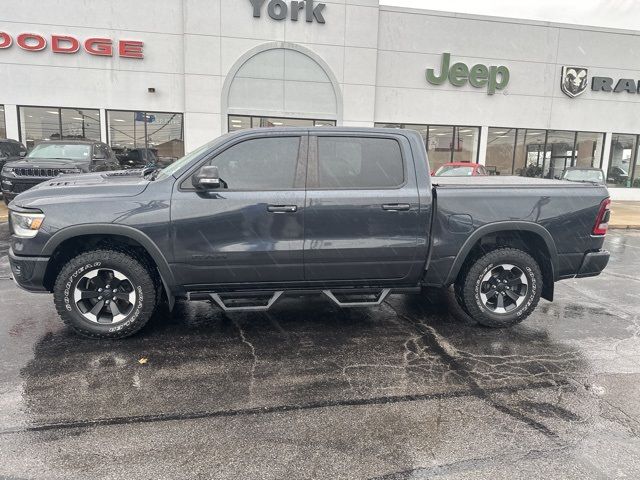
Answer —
(5, 40)
(64, 44)
(25, 38)
(131, 49)
(99, 46)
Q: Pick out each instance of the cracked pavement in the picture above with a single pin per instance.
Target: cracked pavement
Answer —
(407, 390)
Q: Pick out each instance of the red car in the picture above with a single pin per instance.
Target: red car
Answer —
(460, 169)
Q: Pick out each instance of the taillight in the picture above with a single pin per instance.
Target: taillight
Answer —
(602, 220)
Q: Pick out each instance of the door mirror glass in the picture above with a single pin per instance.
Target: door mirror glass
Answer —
(99, 155)
(206, 178)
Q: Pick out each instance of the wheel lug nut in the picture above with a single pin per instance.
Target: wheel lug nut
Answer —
(99, 289)
(99, 298)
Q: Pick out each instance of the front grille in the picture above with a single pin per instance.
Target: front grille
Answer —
(22, 187)
(37, 172)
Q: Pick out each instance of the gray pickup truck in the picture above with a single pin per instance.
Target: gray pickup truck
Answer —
(349, 213)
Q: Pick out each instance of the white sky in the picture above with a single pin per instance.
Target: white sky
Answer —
(603, 13)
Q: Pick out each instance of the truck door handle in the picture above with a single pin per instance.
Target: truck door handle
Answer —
(282, 208)
(396, 207)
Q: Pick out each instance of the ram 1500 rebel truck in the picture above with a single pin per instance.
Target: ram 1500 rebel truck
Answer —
(349, 213)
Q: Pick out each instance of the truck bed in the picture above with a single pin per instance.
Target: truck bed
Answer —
(465, 205)
(505, 181)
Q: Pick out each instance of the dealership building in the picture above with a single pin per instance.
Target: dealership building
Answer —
(521, 97)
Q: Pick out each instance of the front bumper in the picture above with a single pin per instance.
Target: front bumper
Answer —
(28, 272)
(593, 264)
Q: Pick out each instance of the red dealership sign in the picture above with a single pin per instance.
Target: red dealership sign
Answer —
(104, 47)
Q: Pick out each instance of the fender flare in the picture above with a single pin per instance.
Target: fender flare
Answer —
(166, 275)
(499, 227)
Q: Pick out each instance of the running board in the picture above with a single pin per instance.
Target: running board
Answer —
(227, 302)
(378, 297)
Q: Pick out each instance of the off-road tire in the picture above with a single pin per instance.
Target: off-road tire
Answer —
(469, 283)
(141, 278)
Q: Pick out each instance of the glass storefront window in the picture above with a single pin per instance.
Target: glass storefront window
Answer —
(559, 152)
(501, 144)
(54, 123)
(445, 143)
(439, 146)
(621, 160)
(466, 141)
(589, 148)
(160, 132)
(240, 122)
(529, 160)
(3, 125)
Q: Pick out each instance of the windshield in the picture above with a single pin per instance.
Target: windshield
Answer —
(178, 164)
(584, 176)
(61, 151)
(454, 171)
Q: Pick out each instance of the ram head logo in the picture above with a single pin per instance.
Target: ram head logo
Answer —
(574, 81)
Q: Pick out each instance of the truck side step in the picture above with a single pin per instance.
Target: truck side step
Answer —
(355, 298)
(238, 302)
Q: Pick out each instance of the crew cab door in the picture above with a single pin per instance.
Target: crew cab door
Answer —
(251, 229)
(362, 217)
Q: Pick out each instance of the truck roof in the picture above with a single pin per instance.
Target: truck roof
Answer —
(369, 130)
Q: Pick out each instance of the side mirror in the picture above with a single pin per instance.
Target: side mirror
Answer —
(206, 178)
(99, 156)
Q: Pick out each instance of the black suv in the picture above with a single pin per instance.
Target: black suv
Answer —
(136, 158)
(10, 150)
(51, 158)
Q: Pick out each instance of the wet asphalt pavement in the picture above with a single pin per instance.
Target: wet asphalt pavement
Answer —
(407, 390)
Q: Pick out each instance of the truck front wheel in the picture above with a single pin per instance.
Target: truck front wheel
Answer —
(105, 294)
(501, 288)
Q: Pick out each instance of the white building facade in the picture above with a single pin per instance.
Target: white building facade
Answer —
(521, 97)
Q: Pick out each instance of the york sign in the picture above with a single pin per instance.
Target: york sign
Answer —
(103, 47)
(279, 10)
(479, 76)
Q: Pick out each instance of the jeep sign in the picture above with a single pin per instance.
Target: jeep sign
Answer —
(279, 10)
(493, 77)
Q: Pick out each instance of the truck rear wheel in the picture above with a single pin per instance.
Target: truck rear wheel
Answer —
(105, 294)
(501, 288)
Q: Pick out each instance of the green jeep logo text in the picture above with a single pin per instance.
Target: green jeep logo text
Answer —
(493, 77)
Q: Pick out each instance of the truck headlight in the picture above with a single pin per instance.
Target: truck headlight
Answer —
(7, 170)
(26, 225)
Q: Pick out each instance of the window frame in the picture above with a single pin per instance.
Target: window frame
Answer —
(185, 184)
(19, 111)
(313, 168)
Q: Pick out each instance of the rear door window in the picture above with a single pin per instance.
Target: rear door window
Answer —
(359, 163)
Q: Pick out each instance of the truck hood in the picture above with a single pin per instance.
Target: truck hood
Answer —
(76, 188)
